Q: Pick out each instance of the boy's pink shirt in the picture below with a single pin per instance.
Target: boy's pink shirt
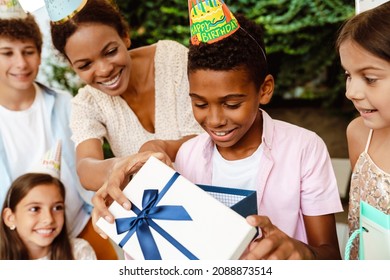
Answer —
(295, 176)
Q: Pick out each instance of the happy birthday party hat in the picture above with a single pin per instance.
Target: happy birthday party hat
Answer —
(62, 10)
(10, 9)
(210, 21)
(50, 162)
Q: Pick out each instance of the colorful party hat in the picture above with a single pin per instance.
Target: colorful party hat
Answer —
(10, 9)
(50, 163)
(210, 21)
(62, 10)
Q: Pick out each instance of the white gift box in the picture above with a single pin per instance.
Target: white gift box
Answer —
(192, 225)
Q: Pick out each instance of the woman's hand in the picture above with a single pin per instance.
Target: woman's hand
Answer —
(112, 189)
(274, 244)
(167, 147)
(159, 146)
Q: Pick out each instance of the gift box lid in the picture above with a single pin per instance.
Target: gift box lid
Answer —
(172, 218)
(243, 202)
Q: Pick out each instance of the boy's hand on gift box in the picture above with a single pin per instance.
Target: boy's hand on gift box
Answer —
(119, 177)
(274, 244)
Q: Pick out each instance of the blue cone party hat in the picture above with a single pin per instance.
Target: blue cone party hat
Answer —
(210, 21)
(10, 9)
(62, 10)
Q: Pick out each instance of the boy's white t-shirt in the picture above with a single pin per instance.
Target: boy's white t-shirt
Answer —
(242, 173)
(26, 135)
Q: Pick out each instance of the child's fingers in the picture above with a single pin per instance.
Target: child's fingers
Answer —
(263, 222)
(258, 250)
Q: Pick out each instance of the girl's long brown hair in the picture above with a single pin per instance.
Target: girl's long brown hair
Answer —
(11, 245)
(370, 30)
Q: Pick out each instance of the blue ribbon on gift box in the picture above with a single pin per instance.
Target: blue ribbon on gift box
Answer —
(143, 221)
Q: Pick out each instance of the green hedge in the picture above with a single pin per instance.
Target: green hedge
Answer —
(300, 38)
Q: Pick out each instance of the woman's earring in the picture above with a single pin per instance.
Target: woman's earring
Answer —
(13, 227)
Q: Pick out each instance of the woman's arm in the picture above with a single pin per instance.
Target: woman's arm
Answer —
(168, 147)
(92, 169)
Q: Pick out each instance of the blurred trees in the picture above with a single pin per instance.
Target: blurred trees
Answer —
(300, 37)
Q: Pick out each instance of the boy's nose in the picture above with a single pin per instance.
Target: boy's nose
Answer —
(216, 118)
(20, 60)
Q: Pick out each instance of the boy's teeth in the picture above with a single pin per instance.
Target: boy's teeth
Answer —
(220, 133)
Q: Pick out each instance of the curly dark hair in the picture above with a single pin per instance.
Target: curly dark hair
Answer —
(244, 48)
(94, 11)
(22, 29)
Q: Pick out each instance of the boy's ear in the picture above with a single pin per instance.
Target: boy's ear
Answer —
(266, 90)
(8, 217)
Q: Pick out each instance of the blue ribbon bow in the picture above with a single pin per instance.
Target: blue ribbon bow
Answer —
(143, 221)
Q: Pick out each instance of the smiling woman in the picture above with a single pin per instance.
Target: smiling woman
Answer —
(137, 100)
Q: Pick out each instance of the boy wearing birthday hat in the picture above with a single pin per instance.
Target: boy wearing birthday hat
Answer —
(32, 116)
(210, 21)
(243, 147)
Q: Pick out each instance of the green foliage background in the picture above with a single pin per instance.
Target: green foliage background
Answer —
(300, 37)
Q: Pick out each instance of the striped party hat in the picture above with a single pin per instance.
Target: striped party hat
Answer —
(11, 9)
(50, 163)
